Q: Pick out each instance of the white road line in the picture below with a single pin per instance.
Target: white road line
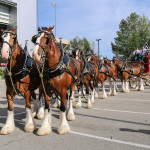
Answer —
(129, 100)
(133, 112)
(112, 140)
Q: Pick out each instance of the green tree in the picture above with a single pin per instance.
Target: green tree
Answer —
(84, 43)
(133, 32)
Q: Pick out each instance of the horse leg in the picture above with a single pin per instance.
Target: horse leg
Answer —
(57, 103)
(35, 105)
(141, 85)
(79, 104)
(30, 124)
(89, 105)
(123, 85)
(93, 91)
(64, 126)
(96, 92)
(46, 124)
(104, 92)
(126, 86)
(10, 124)
(70, 112)
(110, 84)
(40, 113)
(114, 91)
(72, 95)
(117, 89)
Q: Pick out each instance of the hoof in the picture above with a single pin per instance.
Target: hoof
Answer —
(96, 95)
(92, 101)
(141, 89)
(104, 96)
(110, 93)
(70, 117)
(89, 106)
(29, 127)
(7, 129)
(40, 114)
(33, 114)
(64, 129)
(44, 131)
(114, 94)
(78, 105)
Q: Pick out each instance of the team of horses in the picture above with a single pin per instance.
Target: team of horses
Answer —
(54, 73)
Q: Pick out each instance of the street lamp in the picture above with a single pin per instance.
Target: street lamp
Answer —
(38, 13)
(98, 46)
(54, 4)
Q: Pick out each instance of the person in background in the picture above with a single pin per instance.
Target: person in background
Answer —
(136, 54)
(143, 52)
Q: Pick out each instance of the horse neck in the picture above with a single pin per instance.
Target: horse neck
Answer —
(53, 54)
(82, 63)
(17, 58)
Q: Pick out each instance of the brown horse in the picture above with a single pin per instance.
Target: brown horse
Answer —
(58, 78)
(19, 79)
(105, 72)
(89, 72)
(126, 72)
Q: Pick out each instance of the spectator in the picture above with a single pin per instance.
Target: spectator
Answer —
(136, 51)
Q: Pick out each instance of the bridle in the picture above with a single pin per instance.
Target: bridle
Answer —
(48, 39)
(15, 40)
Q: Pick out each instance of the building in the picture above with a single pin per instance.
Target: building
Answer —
(23, 15)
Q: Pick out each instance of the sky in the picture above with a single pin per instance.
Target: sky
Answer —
(92, 19)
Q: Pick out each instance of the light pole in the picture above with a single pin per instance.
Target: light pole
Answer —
(98, 46)
(38, 13)
(54, 4)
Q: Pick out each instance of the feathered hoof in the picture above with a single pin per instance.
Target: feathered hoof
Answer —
(71, 117)
(141, 89)
(96, 95)
(104, 96)
(29, 127)
(44, 131)
(33, 114)
(92, 101)
(78, 105)
(114, 94)
(89, 106)
(40, 114)
(63, 129)
(109, 94)
(7, 130)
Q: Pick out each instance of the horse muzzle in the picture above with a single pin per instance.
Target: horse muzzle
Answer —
(5, 54)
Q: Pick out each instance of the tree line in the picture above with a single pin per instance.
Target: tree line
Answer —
(134, 31)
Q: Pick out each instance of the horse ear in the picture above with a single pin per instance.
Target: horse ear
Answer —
(15, 30)
(51, 28)
(39, 29)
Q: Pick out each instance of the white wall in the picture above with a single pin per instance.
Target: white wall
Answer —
(26, 21)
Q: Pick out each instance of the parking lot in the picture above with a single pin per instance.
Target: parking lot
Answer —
(119, 122)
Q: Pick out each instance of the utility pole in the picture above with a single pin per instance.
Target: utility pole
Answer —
(98, 46)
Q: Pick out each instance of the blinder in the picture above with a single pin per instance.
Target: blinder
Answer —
(34, 38)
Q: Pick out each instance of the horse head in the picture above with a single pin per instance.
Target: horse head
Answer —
(42, 42)
(77, 53)
(9, 39)
(118, 62)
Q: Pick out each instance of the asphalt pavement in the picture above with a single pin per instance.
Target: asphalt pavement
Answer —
(119, 122)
